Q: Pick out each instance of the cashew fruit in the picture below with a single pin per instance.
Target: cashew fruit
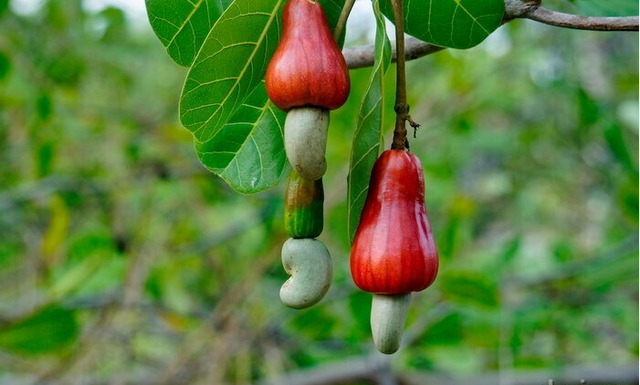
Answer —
(388, 316)
(394, 251)
(305, 141)
(303, 204)
(308, 68)
(309, 264)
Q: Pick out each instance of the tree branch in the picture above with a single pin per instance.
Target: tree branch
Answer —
(601, 375)
(369, 368)
(565, 20)
(359, 57)
(365, 368)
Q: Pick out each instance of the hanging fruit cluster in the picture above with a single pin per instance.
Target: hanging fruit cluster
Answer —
(393, 253)
(307, 77)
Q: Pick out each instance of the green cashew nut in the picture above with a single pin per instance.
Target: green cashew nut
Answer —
(388, 316)
(305, 140)
(308, 263)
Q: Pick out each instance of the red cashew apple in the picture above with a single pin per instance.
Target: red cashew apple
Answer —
(394, 252)
(307, 77)
(308, 68)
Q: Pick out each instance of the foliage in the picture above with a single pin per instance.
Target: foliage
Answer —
(450, 23)
(123, 259)
(219, 95)
(182, 26)
(367, 138)
(223, 88)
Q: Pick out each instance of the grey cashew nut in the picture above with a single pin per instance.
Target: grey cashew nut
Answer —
(308, 263)
(388, 316)
(305, 140)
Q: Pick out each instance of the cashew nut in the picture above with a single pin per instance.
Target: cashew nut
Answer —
(305, 140)
(308, 263)
(388, 316)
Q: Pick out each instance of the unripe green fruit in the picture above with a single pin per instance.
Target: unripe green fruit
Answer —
(303, 204)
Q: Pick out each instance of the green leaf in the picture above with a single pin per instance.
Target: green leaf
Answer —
(240, 140)
(446, 331)
(360, 306)
(5, 65)
(617, 144)
(316, 323)
(48, 330)
(367, 138)
(448, 237)
(628, 198)
(231, 63)
(90, 257)
(182, 25)
(469, 288)
(4, 5)
(608, 7)
(66, 69)
(450, 23)
(248, 152)
(74, 277)
(510, 250)
(332, 9)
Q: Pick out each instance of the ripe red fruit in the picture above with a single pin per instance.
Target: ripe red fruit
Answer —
(394, 251)
(308, 68)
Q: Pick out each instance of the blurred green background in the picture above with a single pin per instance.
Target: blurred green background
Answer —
(123, 261)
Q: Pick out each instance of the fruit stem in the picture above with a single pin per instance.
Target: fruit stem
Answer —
(342, 21)
(400, 141)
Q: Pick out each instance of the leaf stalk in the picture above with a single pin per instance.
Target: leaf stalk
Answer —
(342, 20)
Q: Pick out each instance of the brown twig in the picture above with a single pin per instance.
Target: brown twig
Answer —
(400, 141)
(342, 20)
(566, 20)
(363, 56)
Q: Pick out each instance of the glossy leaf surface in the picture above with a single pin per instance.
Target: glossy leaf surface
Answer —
(248, 152)
(450, 23)
(220, 95)
(182, 25)
(229, 66)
